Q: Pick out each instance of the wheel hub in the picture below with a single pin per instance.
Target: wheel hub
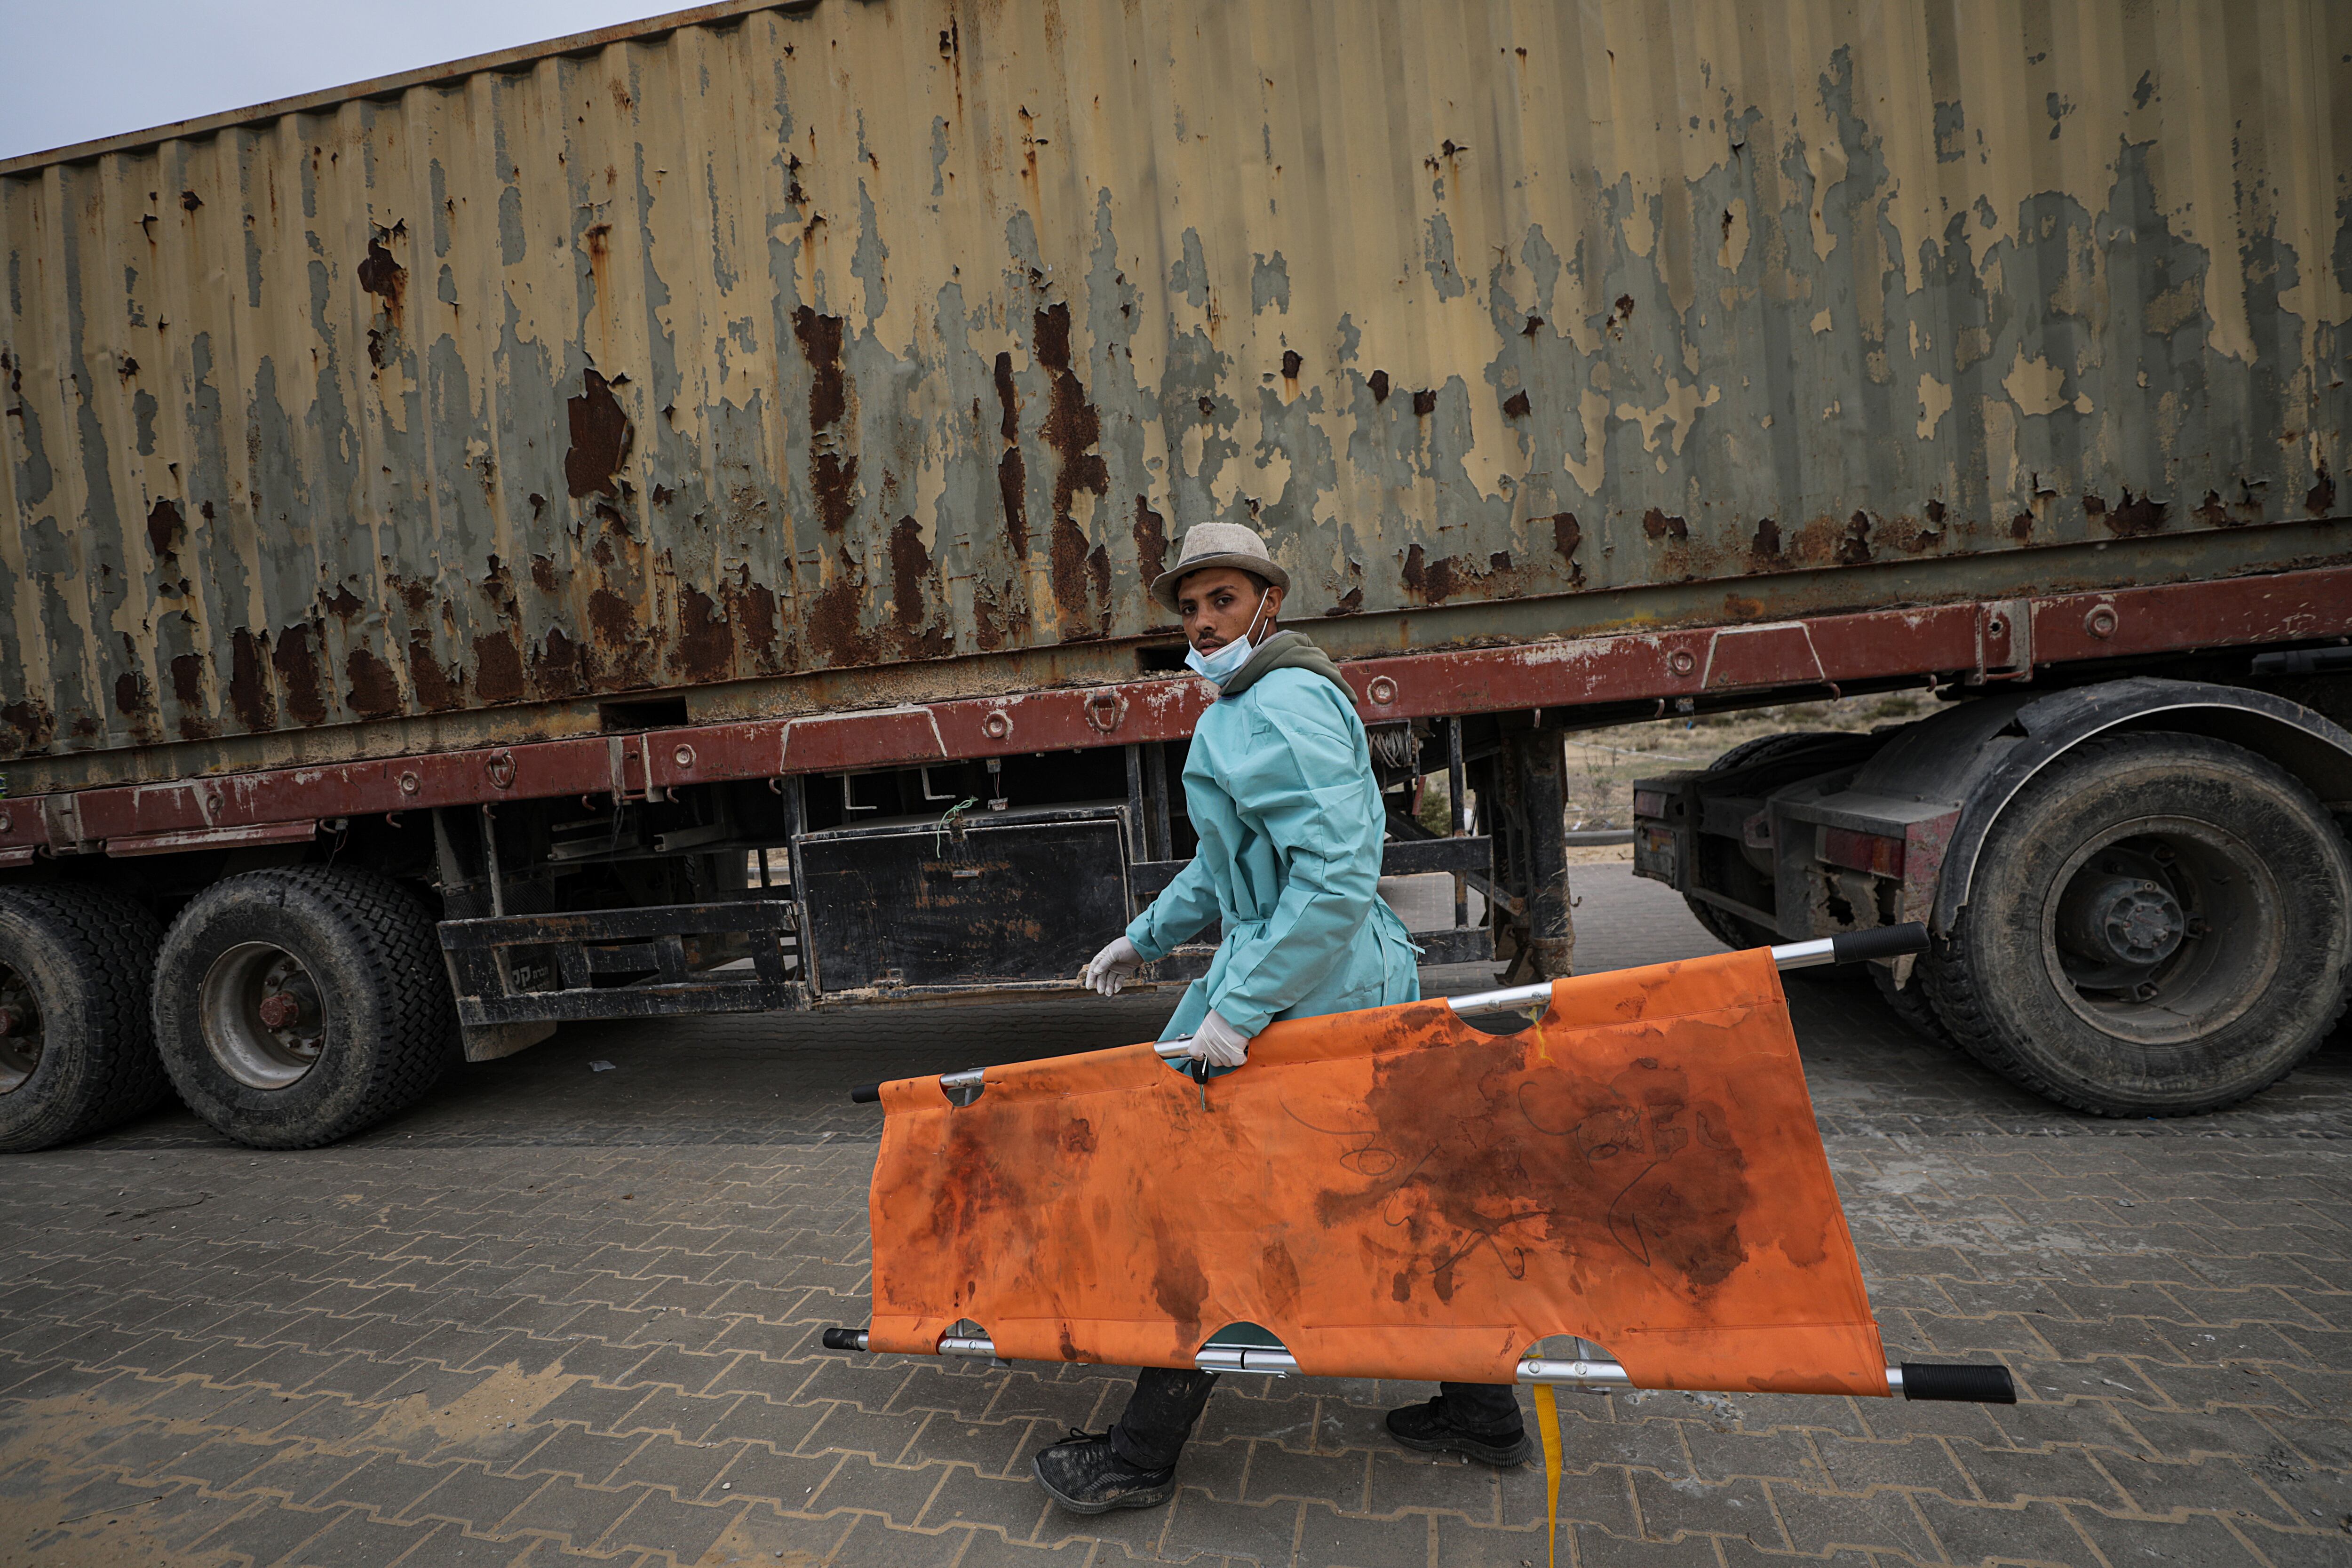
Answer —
(262, 1015)
(20, 1030)
(279, 1010)
(2164, 930)
(2125, 921)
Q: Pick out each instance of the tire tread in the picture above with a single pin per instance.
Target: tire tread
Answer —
(402, 958)
(114, 939)
(1955, 991)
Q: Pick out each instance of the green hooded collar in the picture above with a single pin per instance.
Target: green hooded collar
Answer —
(1285, 651)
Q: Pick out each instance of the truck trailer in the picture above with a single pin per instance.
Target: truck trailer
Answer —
(657, 521)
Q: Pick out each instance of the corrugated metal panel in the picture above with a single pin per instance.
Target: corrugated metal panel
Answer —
(856, 333)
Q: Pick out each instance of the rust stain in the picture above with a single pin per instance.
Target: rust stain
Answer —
(1567, 533)
(34, 726)
(382, 275)
(163, 525)
(706, 645)
(834, 479)
(1012, 490)
(131, 695)
(1378, 381)
(837, 619)
(1854, 547)
(910, 570)
(438, 690)
(374, 689)
(498, 668)
(560, 666)
(833, 475)
(1012, 471)
(296, 656)
(1764, 545)
(1517, 405)
(2135, 518)
(1008, 397)
(988, 602)
(1150, 540)
(1658, 524)
(417, 595)
(751, 609)
(188, 692)
(612, 631)
(601, 438)
(820, 338)
(1431, 581)
(248, 683)
(2320, 499)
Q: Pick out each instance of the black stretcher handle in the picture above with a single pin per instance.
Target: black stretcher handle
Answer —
(1961, 1384)
(1886, 942)
(843, 1339)
(866, 1094)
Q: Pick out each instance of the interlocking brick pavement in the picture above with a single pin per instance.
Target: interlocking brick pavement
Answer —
(557, 1315)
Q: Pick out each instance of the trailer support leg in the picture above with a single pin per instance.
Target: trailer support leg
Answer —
(1533, 773)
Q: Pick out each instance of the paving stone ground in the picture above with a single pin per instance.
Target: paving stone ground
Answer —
(559, 1314)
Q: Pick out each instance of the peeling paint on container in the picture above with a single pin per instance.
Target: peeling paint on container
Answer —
(691, 354)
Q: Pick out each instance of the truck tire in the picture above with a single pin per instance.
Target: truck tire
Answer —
(297, 1007)
(2161, 924)
(1911, 1004)
(1727, 928)
(77, 1054)
(1733, 930)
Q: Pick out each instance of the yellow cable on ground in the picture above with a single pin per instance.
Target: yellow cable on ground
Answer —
(1548, 1424)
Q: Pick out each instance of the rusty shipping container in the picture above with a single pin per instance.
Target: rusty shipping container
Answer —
(790, 357)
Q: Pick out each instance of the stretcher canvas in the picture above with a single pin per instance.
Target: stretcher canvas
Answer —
(1399, 1193)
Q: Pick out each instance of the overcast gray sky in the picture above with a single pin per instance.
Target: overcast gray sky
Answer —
(76, 69)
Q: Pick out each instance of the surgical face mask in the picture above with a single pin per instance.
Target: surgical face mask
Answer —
(1225, 663)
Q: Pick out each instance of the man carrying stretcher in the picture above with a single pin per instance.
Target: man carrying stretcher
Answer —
(1279, 785)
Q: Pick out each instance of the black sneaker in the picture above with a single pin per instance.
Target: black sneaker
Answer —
(1425, 1428)
(1085, 1474)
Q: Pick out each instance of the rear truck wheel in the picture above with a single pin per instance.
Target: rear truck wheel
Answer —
(77, 1052)
(2161, 925)
(294, 1007)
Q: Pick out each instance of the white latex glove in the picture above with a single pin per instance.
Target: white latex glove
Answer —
(1218, 1043)
(1113, 966)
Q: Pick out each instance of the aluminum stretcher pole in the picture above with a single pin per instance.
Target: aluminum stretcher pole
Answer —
(1912, 1380)
(1851, 947)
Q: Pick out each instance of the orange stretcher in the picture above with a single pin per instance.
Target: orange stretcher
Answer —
(1400, 1194)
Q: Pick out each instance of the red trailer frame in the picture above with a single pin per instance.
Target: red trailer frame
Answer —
(1981, 641)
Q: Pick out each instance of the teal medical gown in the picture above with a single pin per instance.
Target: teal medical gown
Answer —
(1280, 787)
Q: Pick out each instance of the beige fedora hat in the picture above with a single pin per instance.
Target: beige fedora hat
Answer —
(1208, 544)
